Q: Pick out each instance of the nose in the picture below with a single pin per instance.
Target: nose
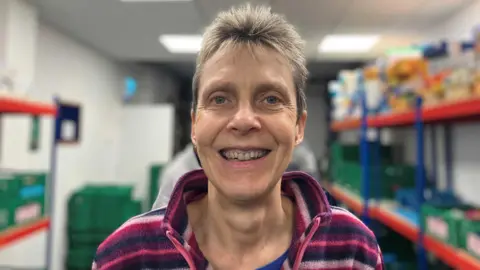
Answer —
(244, 120)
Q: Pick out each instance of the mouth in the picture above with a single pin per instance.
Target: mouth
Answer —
(243, 154)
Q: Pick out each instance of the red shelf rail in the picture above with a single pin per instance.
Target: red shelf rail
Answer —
(16, 233)
(445, 112)
(454, 257)
(21, 106)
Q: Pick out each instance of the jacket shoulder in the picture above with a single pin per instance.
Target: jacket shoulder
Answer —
(138, 240)
(347, 241)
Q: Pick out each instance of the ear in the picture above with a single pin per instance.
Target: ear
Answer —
(192, 129)
(300, 128)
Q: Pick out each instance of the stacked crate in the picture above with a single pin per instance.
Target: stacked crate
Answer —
(22, 198)
(456, 225)
(346, 169)
(94, 213)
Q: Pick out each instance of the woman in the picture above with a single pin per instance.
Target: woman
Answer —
(242, 211)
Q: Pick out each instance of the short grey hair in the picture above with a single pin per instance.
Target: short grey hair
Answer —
(255, 25)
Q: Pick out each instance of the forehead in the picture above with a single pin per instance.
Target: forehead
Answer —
(246, 66)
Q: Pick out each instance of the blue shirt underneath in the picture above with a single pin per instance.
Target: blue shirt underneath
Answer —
(277, 264)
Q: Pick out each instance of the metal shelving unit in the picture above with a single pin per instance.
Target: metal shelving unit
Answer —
(11, 105)
(445, 114)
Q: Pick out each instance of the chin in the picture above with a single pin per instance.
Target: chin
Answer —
(239, 190)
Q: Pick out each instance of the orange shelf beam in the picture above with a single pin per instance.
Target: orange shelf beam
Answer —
(349, 124)
(21, 106)
(445, 112)
(16, 233)
(452, 111)
(352, 203)
(454, 257)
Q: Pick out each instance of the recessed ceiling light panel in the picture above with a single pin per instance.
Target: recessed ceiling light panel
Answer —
(347, 43)
(181, 43)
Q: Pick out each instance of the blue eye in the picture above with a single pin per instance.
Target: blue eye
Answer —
(219, 100)
(272, 100)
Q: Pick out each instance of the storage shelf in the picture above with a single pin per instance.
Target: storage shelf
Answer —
(456, 258)
(461, 110)
(21, 106)
(16, 233)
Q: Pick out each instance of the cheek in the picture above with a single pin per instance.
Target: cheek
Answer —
(283, 129)
(206, 129)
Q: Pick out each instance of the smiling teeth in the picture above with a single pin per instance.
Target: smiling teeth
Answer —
(244, 155)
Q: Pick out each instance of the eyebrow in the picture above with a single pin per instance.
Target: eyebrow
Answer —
(271, 86)
(219, 86)
(230, 87)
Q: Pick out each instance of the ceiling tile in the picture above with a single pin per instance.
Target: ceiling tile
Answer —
(394, 8)
(313, 16)
(210, 8)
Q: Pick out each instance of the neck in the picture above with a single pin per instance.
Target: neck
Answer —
(245, 228)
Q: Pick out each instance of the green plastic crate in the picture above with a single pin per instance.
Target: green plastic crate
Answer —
(7, 213)
(80, 239)
(443, 223)
(94, 238)
(351, 153)
(31, 178)
(9, 185)
(470, 237)
(391, 178)
(15, 212)
(133, 208)
(80, 258)
(99, 208)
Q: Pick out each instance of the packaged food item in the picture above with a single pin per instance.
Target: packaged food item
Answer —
(434, 91)
(406, 79)
(476, 84)
(458, 84)
(350, 83)
(340, 101)
(476, 75)
(437, 56)
(375, 89)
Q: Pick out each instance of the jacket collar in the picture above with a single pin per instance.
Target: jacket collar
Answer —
(309, 199)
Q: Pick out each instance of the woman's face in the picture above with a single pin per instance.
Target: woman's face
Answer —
(245, 126)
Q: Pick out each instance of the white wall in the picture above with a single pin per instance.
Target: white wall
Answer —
(466, 146)
(143, 143)
(76, 74)
(459, 26)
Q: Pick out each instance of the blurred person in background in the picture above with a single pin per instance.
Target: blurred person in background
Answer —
(303, 159)
(242, 211)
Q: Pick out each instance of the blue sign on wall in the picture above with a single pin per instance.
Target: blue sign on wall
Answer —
(69, 116)
(130, 85)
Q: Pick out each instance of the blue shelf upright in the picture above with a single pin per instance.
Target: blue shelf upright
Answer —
(376, 166)
(52, 189)
(434, 153)
(364, 152)
(420, 181)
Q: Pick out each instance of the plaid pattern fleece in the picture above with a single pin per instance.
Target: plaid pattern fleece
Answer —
(325, 237)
